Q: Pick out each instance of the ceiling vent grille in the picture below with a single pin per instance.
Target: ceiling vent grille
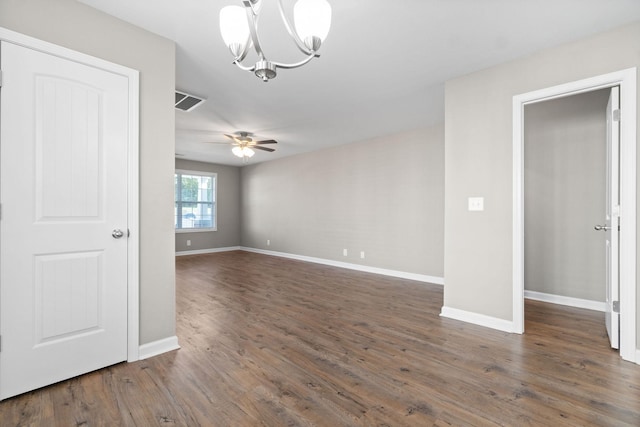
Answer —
(186, 102)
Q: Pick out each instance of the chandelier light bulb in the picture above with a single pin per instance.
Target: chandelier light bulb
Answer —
(234, 28)
(312, 19)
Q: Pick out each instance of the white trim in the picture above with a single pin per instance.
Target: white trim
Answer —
(63, 52)
(518, 217)
(477, 319)
(196, 230)
(133, 220)
(383, 271)
(133, 244)
(637, 357)
(626, 79)
(208, 251)
(568, 301)
(158, 347)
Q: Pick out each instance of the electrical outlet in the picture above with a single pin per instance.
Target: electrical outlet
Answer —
(344, 252)
(188, 242)
(362, 254)
(268, 242)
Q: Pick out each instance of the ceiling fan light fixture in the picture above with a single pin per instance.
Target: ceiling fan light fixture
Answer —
(237, 151)
(242, 152)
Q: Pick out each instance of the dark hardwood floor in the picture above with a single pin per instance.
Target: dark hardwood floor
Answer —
(268, 341)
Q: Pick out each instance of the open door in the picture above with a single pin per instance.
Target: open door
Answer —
(612, 214)
(63, 245)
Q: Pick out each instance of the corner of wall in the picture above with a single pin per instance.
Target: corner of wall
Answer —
(158, 347)
(478, 319)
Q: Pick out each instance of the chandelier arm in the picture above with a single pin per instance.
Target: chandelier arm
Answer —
(299, 43)
(255, 5)
(252, 17)
(242, 67)
(296, 64)
(248, 44)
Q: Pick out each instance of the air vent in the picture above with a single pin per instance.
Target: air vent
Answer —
(186, 102)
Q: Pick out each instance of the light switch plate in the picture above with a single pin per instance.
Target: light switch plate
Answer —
(476, 204)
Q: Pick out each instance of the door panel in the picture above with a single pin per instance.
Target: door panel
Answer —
(68, 295)
(63, 188)
(612, 318)
(67, 149)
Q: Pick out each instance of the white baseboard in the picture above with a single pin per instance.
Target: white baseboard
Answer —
(208, 251)
(568, 301)
(158, 347)
(477, 319)
(393, 273)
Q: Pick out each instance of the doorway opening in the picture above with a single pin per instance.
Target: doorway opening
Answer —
(565, 164)
(626, 80)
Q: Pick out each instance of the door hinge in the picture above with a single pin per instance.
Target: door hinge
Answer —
(616, 115)
(616, 306)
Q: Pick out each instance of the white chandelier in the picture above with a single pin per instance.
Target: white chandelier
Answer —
(239, 28)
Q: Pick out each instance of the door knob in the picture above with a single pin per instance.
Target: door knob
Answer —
(117, 234)
(602, 227)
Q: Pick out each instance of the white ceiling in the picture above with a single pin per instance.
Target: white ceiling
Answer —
(382, 68)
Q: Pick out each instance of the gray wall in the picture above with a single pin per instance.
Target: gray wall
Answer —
(564, 176)
(478, 161)
(76, 26)
(382, 196)
(227, 205)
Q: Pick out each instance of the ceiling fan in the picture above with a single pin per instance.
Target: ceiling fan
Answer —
(244, 146)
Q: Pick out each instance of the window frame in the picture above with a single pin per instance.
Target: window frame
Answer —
(214, 202)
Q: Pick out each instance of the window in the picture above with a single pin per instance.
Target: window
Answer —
(195, 201)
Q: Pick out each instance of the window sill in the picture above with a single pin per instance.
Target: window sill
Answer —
(195, 230)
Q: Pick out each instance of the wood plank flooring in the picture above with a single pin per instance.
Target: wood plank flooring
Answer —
(268, 341)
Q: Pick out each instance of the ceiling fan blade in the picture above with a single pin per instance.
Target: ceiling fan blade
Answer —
(217, 142)
(230, 136)
(257, 147)
(268, 141)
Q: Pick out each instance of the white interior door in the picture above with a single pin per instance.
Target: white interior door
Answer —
(63, 190)
(612, 315)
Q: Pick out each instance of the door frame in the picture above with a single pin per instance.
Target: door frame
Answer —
(133, 244)
(626, 79)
